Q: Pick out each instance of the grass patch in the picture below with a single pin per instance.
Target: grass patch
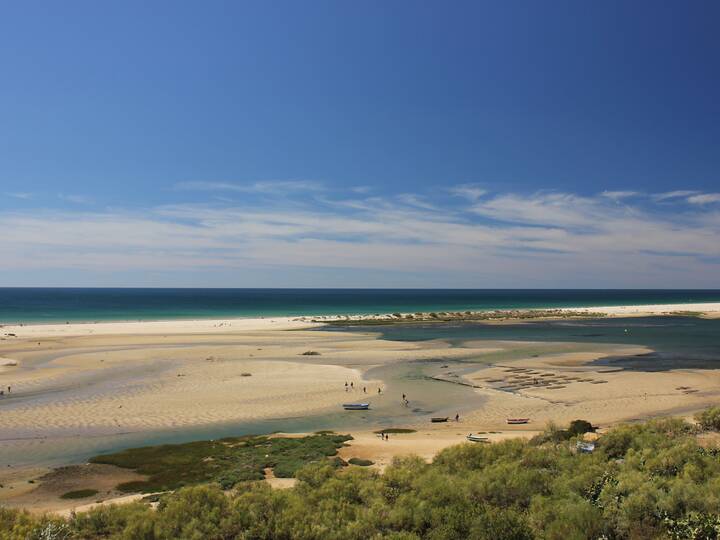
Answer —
(79, 494)
(360, 462)
(225, 461)
(395, 430)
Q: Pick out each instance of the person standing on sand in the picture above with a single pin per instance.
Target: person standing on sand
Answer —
(346, 386)
(457, 417)
(364, 389)
(379, 390)
(352, 386)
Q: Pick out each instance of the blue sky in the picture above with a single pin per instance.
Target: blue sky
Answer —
(464, 144)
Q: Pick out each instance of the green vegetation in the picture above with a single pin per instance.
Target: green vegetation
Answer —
(79, 494)
(553, 434)
(225, 461)
(361, 462)
(709, 419)
(459, 316)
(395, 430)
(649, 480)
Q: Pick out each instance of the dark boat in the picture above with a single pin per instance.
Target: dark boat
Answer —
(356, 406)
(437, 419)
(518, 420)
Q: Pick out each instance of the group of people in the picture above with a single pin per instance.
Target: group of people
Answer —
(351, 386)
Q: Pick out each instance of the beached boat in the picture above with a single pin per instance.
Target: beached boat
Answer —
(477, 438)
(585, 447)
(518, 420)
(437, 419)
(356, 406)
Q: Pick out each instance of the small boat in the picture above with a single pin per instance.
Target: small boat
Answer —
(514, 421)
(438, 419)
(585, 447)
(356, 406)
(477, 438)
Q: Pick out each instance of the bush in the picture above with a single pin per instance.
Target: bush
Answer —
(360, 462)
(709, 419)
(580, 427)
(648, 480)
(79, 494)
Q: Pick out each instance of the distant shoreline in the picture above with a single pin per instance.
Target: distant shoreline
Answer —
(101, 305)
(705, 309)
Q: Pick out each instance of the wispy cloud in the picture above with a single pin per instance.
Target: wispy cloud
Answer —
(471, 192)
(618, 195)
(417, 201)
(704, 198)
(505, 239)
(263, 186)
(20, 195)
(77, 199)
(554, 209)
(679, 194)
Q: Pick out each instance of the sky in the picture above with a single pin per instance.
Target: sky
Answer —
(360, 144)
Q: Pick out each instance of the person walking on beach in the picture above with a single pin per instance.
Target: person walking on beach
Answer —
(352, 386)
(346, 386)
(364, 389)
(457, 417)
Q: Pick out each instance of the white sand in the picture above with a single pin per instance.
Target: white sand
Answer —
(227, 326)
(708, 309)
(135, 328)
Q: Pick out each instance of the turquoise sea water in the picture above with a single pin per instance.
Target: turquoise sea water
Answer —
(34, 305)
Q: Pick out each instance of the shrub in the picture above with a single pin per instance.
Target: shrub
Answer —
(361, 462)
(709, 419)
(79, 494)
(649, 480)
(580, 427)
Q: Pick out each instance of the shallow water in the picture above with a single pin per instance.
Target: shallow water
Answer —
(677, 341)
(688, 341)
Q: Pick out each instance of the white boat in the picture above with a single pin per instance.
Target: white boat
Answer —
(356, 406)
(585, 447)
(477, 438)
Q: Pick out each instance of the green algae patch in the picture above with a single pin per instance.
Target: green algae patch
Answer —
(224, 461)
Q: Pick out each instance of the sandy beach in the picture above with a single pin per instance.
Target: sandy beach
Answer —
(73, 384)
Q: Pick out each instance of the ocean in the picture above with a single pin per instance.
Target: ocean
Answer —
(48, 305)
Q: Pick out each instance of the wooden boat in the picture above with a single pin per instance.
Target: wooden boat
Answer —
(356, 406)
(438, 419)
(477, 438)
(514, 421)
